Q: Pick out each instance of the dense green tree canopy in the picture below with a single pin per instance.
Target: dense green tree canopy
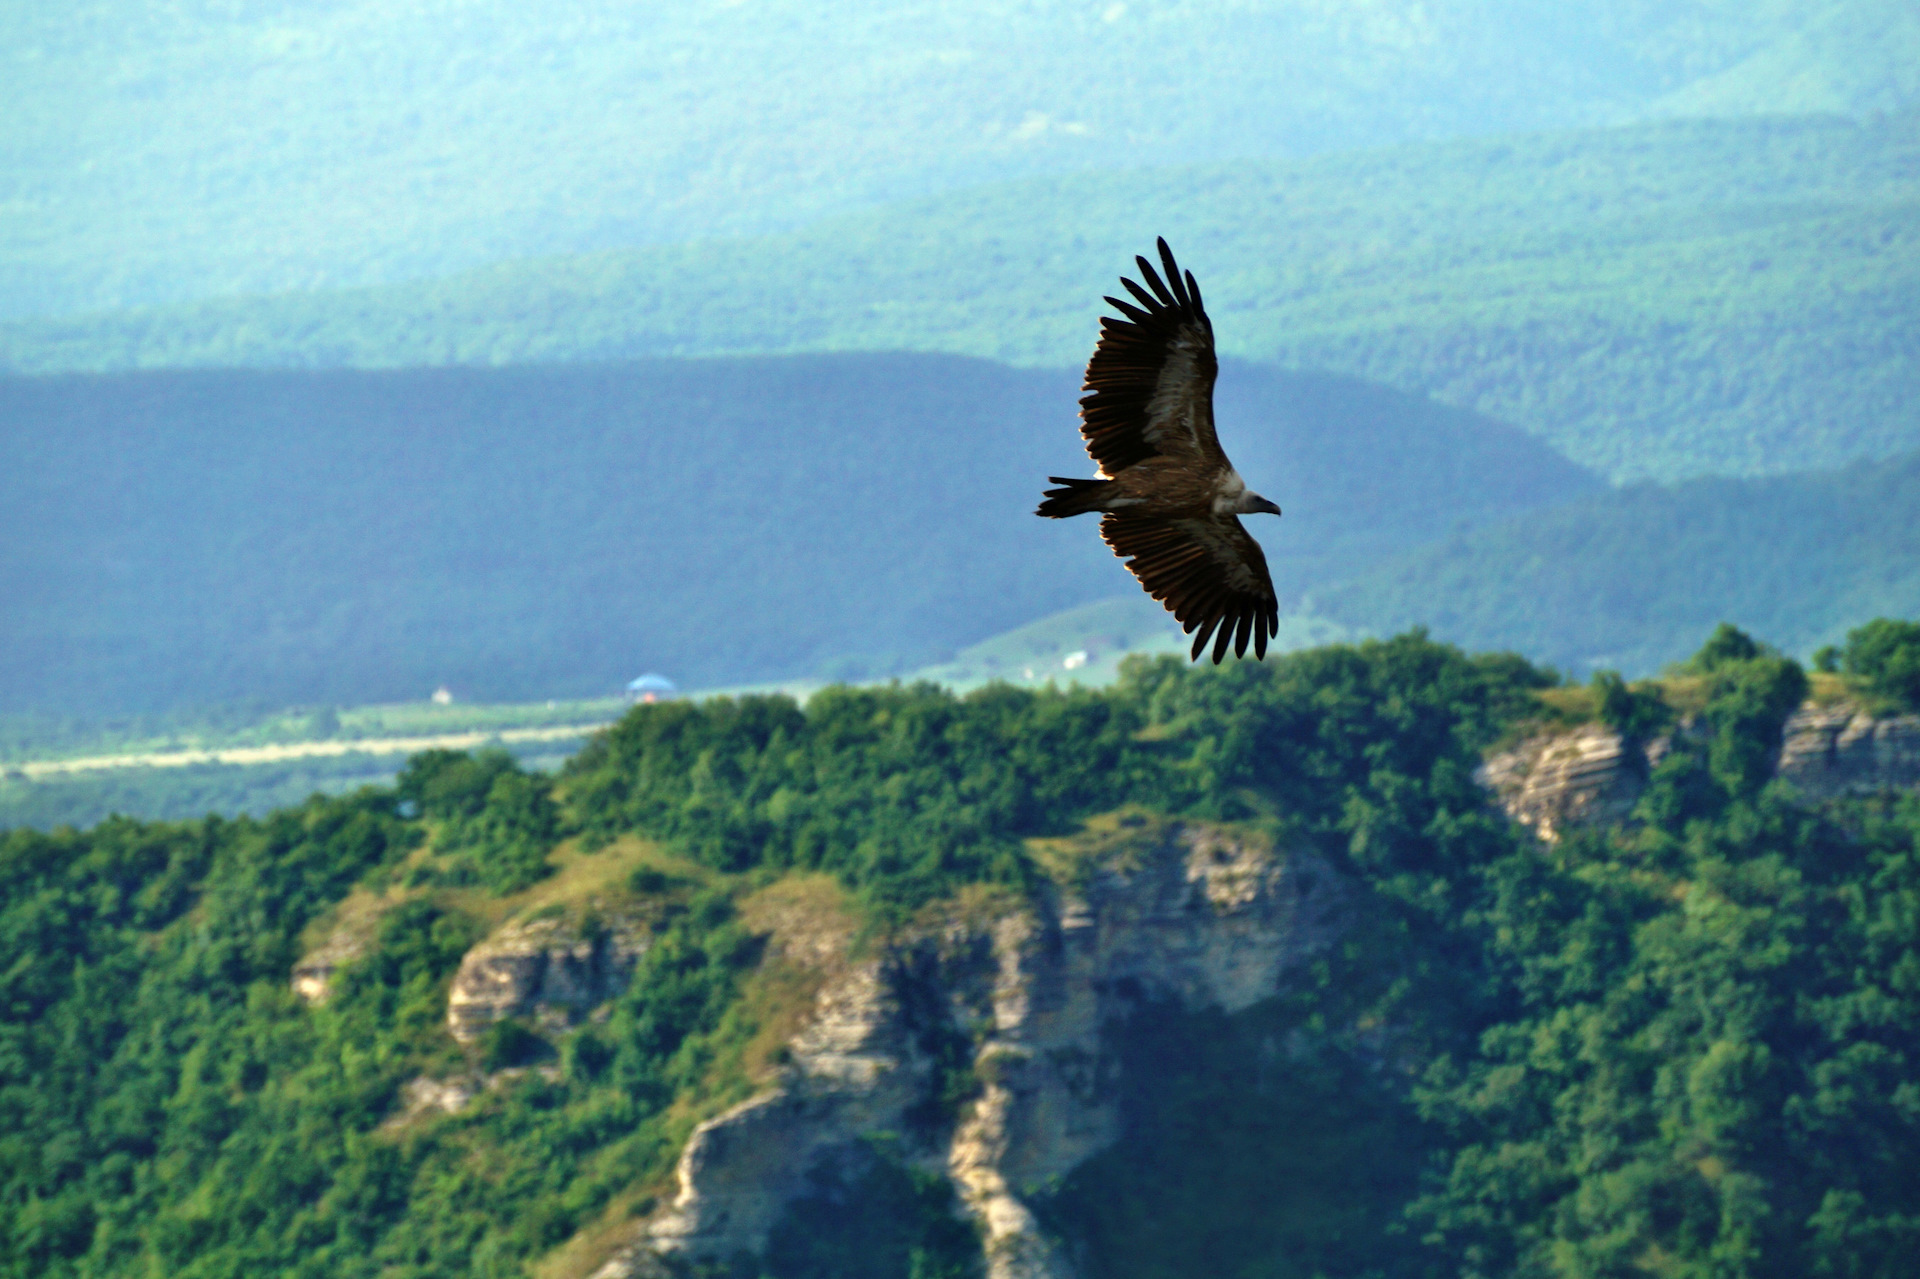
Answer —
(1885, 655)
(1683, 1044)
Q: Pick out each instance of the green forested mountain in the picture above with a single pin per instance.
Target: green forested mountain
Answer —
(1664, 301)
(1686, 1041)
(175, 540)
(1625, 578)
(206, 148)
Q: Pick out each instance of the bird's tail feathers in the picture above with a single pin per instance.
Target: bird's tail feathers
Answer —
(1074, 497)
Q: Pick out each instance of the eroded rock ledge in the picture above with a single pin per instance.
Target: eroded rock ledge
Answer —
(1591, 775)
(1828, 751)
(1208, 916)
(552, 969)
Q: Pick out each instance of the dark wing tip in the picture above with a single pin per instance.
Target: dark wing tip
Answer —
(1155, 283)
(1193, 291)
(1133, 313)
(1173, 275)
(1202, 634)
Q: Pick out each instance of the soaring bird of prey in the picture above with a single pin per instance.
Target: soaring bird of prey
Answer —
(1170, 500)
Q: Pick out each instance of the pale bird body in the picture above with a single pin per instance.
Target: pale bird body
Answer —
(1170, 501)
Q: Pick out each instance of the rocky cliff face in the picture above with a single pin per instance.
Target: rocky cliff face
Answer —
(1835, 750)
(1591, 775)
(1556, 780)
(1204, 915)
(552, 969)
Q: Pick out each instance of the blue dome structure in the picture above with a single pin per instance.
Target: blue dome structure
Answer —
(651, 687)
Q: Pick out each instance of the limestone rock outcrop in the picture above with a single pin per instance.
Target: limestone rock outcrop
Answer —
(1590, 775)
(553, 969)
(1556, 780)
(1150, 910)
(1828, 751)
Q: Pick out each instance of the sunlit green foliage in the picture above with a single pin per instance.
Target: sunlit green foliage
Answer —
(496, 822)
(903, 792)
(170, 1104)
(1637, 714)
(1884, 655)
(1706, 1067)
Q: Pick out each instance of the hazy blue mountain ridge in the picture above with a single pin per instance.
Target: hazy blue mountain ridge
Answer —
(184, 538)
(1663, 301)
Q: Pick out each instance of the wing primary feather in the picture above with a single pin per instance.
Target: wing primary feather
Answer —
(1260, 640)
(1146, 299)
(1242, 633)
(1133, 313)
(1173, 274)
(1206, 600)
(1220, 644)
(1154, 282)
(1204, 633)
(1193, 291)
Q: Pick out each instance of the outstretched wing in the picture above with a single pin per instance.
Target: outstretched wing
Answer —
(1150, 381)
(1209, 573)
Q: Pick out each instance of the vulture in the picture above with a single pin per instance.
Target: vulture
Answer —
(1169, 499)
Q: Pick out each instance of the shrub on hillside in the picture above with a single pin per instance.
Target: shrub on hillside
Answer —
(1885, 656)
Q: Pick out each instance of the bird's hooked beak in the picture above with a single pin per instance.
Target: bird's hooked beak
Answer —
(1257, 505)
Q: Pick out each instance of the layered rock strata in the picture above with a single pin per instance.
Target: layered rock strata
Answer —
(1590, 775)
(1203, 915)
(1829, 751)
(1553, 781)
(552, 969)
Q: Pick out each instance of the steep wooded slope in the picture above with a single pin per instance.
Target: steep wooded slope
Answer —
(1688, 1036)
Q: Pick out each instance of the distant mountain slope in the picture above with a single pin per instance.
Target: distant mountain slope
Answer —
(1855, 58)
(176, 539)
(1627, 578)
(152, 154)
(1719, 297)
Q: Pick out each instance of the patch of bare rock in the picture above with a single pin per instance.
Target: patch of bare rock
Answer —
(554, 970)
(1829, 751)
(1592, 775)
(1208, 916)
(312, 977)
(448, 1096)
